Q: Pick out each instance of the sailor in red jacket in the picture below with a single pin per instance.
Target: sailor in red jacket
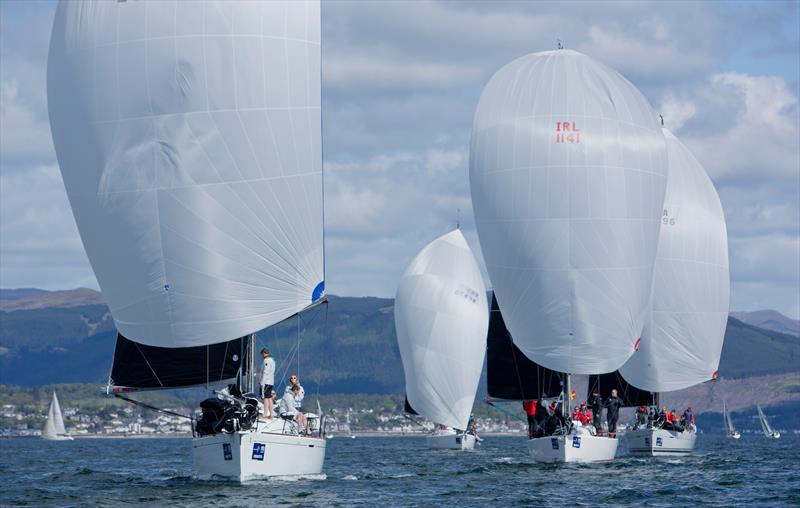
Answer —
(530, 410)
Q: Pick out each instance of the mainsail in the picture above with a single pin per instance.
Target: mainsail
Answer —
(189, 139)
(567, 174)
(764, 423)
(441, 318)
(729, 428)
(682, 341)
(510, 375)
(628, 394)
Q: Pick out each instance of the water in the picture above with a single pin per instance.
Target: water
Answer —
(394, 471)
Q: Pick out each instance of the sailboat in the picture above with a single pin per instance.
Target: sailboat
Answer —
(730, 431)
(349, 429)
(558, 142)
(188, 135)
(54, 429)
(682, 339)
(441, 317)
(768, 432)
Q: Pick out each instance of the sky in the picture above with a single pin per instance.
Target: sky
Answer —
(401, 81)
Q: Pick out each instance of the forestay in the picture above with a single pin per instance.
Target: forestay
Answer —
(441, 318)
(567, 174)
(188, 136)
(682, 343)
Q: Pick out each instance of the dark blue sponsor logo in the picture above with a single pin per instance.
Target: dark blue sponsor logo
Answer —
(554, 442)
(258, 451)
(458, 439)
(647, 441)
(576, 441)
(659, 442)
(226, 451)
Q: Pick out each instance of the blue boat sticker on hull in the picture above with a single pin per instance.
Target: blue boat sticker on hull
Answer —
(226, 451)
(659, 442)
(576, 441)
(258, 451)
(554, 442)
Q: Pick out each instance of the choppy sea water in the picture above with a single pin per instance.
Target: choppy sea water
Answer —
(399, 471)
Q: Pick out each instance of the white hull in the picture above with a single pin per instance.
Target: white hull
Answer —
(57, 438)
(249, 455)
(658, 442)
(451, 441)
(578, 446)
(734, 435)
(775, 435)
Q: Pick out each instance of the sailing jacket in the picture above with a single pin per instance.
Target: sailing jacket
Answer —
(268, 371)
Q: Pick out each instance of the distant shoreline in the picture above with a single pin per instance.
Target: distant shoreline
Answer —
(366, 434)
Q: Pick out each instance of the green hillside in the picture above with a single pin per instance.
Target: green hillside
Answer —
(350, 347)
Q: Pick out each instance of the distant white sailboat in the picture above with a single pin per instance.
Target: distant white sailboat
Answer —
(765, 426)
(441, 317)
(558, 141)
(54, 429)
(730, 431)
(349, 430)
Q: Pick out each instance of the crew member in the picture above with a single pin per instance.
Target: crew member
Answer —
(612, 405)
(596, 404)
(267, 381)
(530, 411)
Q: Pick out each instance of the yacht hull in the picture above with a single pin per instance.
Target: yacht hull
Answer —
(451, 441)
(658, 443)
(575, 447)
(248, 455)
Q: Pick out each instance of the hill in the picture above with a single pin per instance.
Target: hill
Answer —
(770, 320)
(348, 347)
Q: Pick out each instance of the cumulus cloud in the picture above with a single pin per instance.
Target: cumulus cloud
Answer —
(400, 84)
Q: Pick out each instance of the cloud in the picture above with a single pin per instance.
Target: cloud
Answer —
(400, 84)
(39, 242)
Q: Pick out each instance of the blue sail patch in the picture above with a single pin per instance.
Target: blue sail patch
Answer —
(318, 291)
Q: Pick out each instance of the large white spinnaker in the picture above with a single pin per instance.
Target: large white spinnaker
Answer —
(682, 342)
(567, 173)
(189, 139)
(441, 316)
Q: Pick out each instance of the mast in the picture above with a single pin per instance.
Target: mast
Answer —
(251, 374)
(567, 401)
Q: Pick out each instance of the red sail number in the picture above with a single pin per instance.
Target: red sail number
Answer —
(567, 132)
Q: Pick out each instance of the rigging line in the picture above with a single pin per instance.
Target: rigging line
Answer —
(154, 408)
(413, 420)
(148, 363)
(512, 415)
(224, 356)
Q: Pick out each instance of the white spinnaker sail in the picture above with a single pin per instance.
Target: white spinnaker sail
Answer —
(682, 342)
(442, 317)
(567, 174)
(189, 140)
